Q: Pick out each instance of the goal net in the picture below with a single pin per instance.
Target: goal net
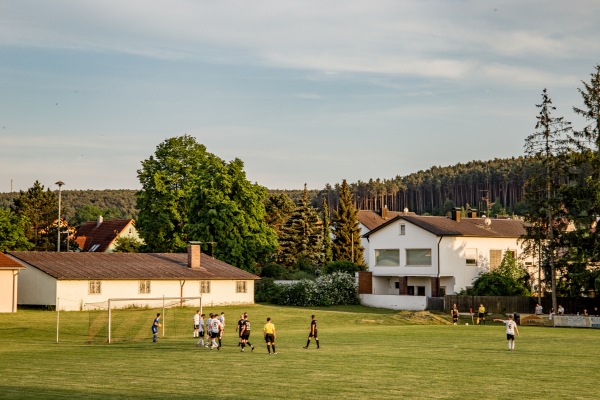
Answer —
(131, 319)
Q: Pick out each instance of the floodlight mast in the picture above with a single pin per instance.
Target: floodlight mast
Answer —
(59, 183)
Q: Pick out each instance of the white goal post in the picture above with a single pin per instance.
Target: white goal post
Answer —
(155, 302)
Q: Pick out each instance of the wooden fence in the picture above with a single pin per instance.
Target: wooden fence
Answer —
(519, 304)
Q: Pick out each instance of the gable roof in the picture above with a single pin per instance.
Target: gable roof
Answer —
(372, 219)
(128, 266)
(101, 233)
(473, 227)
(7, 263)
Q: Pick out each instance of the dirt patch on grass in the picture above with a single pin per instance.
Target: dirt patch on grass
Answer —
(420, 318)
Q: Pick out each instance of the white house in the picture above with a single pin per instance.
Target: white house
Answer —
(9, 279)
(369, 220)
(413, 257)
(76, 279)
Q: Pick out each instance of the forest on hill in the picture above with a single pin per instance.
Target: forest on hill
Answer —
(476, 184)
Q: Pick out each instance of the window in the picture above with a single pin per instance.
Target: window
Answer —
(144, 287)
(204, 286)
(402, 229)
(94, 287)
(420, 290)
(513, 252)
(495, 258)
(397, 285)
(442, 291)
(410, 290)
(94, 248)
(471, 257)
(387, 257)
(418, 256)
(241, 287)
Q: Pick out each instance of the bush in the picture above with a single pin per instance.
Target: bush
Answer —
(274, 271)
(337, 288)
(265, 290)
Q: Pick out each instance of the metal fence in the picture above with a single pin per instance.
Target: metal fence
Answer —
(519, 304)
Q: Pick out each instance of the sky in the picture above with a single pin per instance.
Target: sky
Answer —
(311, 91)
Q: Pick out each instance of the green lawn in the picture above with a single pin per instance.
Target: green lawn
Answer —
(366, 353)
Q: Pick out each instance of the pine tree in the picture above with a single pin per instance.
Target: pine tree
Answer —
(41, 211)
(301, 238)
(346, 243)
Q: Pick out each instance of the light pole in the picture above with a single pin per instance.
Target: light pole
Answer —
(59, 183)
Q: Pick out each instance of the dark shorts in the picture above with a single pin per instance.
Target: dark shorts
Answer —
(510, 337)
(481, 315)
(313, 334)
(455, 318)
(196, 326)
(245, 335)
(201, 333)
(214, 335)
(154, 329)
(269, 338)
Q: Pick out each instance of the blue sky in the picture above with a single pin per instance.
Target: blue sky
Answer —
(302, 91)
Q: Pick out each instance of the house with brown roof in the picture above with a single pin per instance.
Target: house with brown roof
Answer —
(413, 257)
(9, 282)
(370, 219)
(75, 279)
(101, 236)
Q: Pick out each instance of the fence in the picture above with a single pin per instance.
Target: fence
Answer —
(519, 304)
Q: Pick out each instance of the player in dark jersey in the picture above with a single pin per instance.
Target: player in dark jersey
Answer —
(313, 333)
(246, 333)
(239, 328)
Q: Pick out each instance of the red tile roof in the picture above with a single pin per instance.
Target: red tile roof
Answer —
(475, 227)
(7, 262)
(90, 233)
(128, 266)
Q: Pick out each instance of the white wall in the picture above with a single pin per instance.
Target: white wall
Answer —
(36, 287)
(8, 290)
(412, 303)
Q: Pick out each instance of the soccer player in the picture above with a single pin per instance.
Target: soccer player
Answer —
(246, 333)
(313, 333)
(196, 323)
(511, 328)
(270, 335)
(155, 325)
(201, 332)
(454, 313)
(239, 327)
(480, 314)
(215, 330)
(221, 319)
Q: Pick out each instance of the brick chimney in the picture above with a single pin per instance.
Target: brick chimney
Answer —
(472, 213)
(456, 214)
(194, 254)
(384, 212)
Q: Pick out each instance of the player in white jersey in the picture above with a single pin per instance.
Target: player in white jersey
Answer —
(221, 319)
(511, 329)
(196, 323)
(215, 330)
(201, 332)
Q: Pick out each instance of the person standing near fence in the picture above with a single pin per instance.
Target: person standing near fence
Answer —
(454, 313)
(511, 328)
(481, 314)
(538, 309)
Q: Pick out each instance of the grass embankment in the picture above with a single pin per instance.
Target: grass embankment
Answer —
(365, 353)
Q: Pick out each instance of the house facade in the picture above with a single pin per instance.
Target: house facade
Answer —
(75, 281)
(101, 236)
(9, 283)
(411, 257)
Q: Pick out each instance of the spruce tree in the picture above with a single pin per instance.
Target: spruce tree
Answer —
(346, 244)
(301, 238)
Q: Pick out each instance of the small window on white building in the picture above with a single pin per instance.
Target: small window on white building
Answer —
(94, 287)
(387, 257)
(204, 286)
(402, 229)
(471, 257)
(495, 258)
(241, 287)
(418, 257)
(144, 287)
(420, 290)
(410, 290)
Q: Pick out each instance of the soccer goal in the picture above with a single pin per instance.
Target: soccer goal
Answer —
(130, 319)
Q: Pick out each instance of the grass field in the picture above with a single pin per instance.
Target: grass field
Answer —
(365, 353)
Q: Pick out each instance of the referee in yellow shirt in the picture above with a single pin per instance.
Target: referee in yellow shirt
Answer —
(270, 335)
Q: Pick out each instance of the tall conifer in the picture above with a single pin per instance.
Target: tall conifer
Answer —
(346, 244)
